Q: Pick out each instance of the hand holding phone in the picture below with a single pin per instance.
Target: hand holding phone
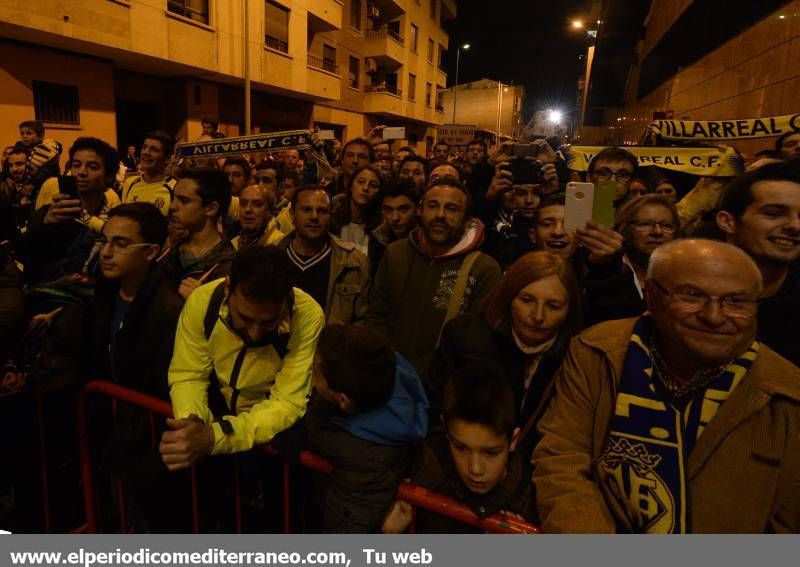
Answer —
(578, 205)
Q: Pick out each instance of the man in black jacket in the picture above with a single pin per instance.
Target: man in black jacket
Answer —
(760, 213)
(136, 311)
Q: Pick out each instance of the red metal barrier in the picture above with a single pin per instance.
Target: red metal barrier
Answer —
(411, 493)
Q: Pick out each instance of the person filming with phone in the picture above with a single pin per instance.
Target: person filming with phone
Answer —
(61, 236)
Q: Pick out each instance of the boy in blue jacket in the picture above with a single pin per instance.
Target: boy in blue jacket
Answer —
(368, 413)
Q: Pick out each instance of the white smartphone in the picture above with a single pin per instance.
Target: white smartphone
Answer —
(578, 205)
(398, 133)
(327, 135)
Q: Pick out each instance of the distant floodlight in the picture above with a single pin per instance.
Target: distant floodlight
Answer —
(554, 116)
(577, 24)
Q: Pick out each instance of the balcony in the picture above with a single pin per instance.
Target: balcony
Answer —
(325, 15)
(385, 45)
(323, 64)
(383, 88)
(442, 73)
(276, 44)
(388, 9)
(384, 100)
(439, 108)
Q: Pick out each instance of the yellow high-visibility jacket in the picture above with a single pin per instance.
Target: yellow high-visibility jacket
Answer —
(265, 393)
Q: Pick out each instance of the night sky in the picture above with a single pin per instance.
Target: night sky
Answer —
(521, 41)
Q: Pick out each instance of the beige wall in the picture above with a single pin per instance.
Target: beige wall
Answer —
(21, 65)
(756, 74)
(480, 106)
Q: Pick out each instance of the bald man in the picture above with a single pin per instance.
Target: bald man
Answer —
(677, 421)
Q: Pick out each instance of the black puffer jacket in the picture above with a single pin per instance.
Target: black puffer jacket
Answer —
(610, 292)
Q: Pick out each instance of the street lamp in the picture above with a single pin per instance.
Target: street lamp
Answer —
(465, 47)
(577, 24)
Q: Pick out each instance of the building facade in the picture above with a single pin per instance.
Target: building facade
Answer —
(490, 105)
(689, 60)
(118, 68)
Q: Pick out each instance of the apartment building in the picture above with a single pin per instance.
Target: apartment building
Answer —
(492, 106)
(118, 68)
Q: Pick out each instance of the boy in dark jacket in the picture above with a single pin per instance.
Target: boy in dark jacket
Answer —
(136, 310)
(369, 411)
(476, 463)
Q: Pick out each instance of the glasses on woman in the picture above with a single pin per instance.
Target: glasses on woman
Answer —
(648, 226)
(694, 300)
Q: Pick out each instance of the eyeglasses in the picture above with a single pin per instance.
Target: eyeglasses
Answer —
(604, 174)
(648, 226)
(121, 246)
(693, 300)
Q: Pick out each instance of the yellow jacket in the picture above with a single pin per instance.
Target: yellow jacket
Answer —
(267, 393)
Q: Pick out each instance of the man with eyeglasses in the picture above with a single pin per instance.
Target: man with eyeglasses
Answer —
(760, 213)
(135, 314)
(617, 164)
(680, 420)
(248, 341)
(616, 265)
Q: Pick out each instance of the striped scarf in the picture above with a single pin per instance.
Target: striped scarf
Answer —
(642, 470)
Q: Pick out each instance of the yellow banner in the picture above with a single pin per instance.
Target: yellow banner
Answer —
(717, 130)
(706, 162)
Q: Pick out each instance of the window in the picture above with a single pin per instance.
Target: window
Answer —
(433, 9)
(56, 103)
(412, 87)
(442, 57)
(439, 98)
(428, 89)
(276, 27)
(329, 58)
(196, 10)
(431, 49)
(355, 14)
(355, 66)
(414, 33)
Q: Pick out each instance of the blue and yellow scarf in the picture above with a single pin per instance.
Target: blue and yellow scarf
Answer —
(642, 470)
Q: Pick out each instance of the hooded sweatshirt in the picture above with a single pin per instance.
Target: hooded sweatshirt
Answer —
(370, 454)
(411, 291)
(404, 419)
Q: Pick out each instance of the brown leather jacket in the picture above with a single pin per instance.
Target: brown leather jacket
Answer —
(744, 472)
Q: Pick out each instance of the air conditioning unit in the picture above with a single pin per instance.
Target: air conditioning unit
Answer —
(373, 11)
(371, 65)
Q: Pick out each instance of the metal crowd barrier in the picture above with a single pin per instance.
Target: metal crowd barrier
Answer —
(415, 495)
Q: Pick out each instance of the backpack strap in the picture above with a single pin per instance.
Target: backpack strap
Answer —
(212, 311)
(454, 306)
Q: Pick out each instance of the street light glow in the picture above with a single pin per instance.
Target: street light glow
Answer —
(577, 24)
(554, 116)
(465, 46)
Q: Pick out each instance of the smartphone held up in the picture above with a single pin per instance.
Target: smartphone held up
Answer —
(585, 202)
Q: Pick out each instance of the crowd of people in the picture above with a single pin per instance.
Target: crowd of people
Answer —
(405, 317)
